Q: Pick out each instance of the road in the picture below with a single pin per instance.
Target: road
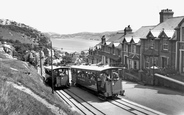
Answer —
(161, 99)
(87, 103)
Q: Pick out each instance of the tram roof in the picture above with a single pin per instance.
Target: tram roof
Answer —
(95, 68)
(56, 67)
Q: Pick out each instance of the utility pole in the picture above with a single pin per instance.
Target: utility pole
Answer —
(40, 63)
(153, 63)
(52, 71)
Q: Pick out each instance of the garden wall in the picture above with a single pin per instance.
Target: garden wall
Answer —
(161, 80)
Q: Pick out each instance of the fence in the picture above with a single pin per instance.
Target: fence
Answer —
(161, 80)
(156, 80)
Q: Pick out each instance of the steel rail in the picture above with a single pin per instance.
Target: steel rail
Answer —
(85, 102)
(73, 103)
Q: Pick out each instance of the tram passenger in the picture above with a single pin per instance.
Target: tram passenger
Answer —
(103, 79)
(115, 76)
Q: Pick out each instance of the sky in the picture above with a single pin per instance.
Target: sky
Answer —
(73, 16)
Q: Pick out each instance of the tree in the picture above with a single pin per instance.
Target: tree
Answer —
(67, 59)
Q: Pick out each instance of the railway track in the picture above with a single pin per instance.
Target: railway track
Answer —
(133, 108)
(118, 105)
(73, 100)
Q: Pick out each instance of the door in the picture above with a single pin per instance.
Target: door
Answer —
(164, 62)
(182, 62)
(116, 83)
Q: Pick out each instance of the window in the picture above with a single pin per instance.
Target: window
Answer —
(182, 33)
(113, 50)
(109, 49)
(146, 44)
(147, 62)
(125, 47)
(132, 48)
(165, 44)
(135, 65)
(152, 44)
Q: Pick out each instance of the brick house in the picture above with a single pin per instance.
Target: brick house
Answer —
(159, 47)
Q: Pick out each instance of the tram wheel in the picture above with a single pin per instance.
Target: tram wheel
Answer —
(122, 93)
(68, 85)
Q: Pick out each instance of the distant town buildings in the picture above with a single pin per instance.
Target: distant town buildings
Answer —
(160, 45)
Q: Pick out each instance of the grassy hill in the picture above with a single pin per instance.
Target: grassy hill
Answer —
(22, 91)
(21, 32)
(22, 37)
(8, 34)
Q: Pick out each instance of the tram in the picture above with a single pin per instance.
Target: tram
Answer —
(103, 80)
(60, 76)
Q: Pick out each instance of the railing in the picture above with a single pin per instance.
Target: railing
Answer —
(170, 79)
(161, 80)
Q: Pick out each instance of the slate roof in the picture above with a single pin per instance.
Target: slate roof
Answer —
(133, 56)
(127, 37)
(169, 24)
(116, 37)
(143, 31)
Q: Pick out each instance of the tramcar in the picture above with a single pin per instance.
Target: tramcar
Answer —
(60, 76)
(103, 80)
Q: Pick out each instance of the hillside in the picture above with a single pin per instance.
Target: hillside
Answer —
(11, 30)
(22, 91)
(81, 35)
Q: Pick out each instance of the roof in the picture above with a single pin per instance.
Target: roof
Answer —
(116, 44)
(169, 33)
(95, 68)
(108, 43)
(140, 33)
(156, 33)
(134, 56)
(136, 39)
(169, 24)
(115, 37)
(143, 31)
(56, 67)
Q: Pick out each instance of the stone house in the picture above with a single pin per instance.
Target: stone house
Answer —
(160, 45)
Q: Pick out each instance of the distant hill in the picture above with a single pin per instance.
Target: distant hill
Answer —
(81, 35)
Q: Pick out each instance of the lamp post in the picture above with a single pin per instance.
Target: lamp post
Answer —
(153, 63)
(52, 70)
(41, 66)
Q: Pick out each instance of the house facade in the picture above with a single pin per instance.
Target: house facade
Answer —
(180, 47)
(160, 45)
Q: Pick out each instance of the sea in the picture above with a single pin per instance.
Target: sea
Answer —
(73, 45)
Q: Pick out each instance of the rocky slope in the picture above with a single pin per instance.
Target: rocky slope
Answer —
(22, 91)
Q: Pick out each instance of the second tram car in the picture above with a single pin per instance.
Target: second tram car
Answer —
(103, 80)
(60, 74)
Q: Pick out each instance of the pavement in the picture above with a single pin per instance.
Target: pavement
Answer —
(160, 99)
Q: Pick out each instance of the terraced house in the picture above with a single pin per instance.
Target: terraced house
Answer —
(160, 45)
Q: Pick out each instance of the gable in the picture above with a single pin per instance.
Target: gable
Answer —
(162, 35)
(149, 35)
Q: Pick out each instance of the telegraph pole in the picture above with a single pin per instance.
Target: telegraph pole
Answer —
(52, 70)
(40, 62)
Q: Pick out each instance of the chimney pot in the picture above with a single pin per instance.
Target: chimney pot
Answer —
(165, 14)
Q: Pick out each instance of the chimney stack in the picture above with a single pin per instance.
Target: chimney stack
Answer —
(127, 30)
(103, 39)
(165, 14)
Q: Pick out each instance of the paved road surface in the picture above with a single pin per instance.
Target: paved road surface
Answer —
(164, 100)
